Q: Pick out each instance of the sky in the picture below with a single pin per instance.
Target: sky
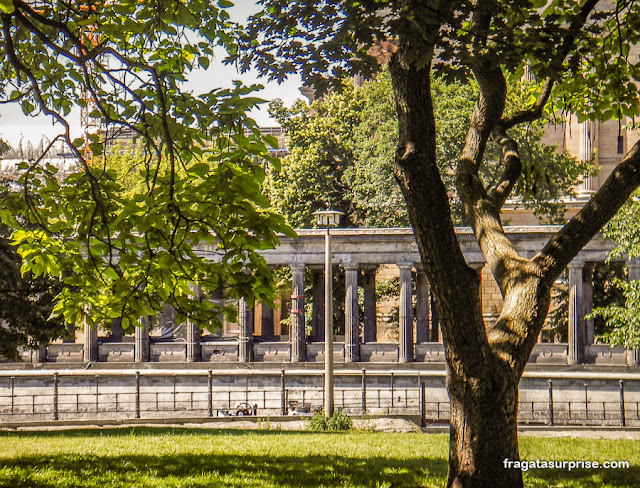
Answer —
(14, 125)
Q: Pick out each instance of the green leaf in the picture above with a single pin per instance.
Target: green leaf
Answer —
(6, 6)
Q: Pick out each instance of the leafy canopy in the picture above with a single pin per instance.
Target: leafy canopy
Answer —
(342, 148)
(198, 215)
(588, 49)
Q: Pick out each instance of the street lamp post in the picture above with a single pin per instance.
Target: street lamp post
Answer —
(327, 218)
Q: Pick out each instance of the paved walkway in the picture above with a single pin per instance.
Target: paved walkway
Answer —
(378, 424)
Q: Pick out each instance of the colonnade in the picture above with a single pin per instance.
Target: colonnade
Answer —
(411, 330)
(580, 332)
(360, 252)
(354, 335)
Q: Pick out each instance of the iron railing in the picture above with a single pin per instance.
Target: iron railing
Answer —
(68, 395)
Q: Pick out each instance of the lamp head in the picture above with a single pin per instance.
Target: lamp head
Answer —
(327, 218)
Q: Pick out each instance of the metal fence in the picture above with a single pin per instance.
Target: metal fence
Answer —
(68, 395)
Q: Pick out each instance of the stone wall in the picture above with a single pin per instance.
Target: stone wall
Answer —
(567, 398)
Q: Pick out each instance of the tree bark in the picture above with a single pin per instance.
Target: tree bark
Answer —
(483, 430)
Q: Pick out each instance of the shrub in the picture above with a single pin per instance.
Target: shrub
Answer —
(339, 421)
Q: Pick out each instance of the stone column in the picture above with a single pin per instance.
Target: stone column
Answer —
(369, 326)
(90, 349)
(587, 301)
(423, 306)
(317, 317)
(71, 331)
(297, 334)
(193, 331)
(41, 353)
(141, 340)
(633, 355)
(168, 326)
(576, 308)
(435, 333)
(245, 332)
(351, 314)
(585, 190)
(266, 321)
(117, 332)
(406, 314)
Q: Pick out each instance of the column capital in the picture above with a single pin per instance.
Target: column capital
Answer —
(476, 266)
(405, 265)
(298, 266)
(351, 266)
(576, 264)
(633, 263)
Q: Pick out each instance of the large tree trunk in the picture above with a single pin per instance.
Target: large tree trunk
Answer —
(482, 386)
(484, 361)
(483, 430)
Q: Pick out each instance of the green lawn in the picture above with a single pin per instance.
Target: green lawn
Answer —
(150, 457)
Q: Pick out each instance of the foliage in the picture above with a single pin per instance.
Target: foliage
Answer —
(622, 317)
(333, 40)
(129, 164)
(622, 229)
(319, 139)
(4, 147)
(342, 150)
(603, 278)
(339, 421)
(548, 177)
(558, 319)
(198, 216)
(26, 303)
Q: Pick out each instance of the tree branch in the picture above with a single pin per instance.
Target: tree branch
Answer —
(568, 242)
(480, 209)
(512, 167)
(533, 113)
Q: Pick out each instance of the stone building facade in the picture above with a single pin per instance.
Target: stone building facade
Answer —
(260, 338)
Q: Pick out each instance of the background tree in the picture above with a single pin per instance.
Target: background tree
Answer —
(341, 152)
(25, 304)
(121, 253)
(623, 317)
(579, 54)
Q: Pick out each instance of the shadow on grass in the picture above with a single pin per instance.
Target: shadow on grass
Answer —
(216, 470)
(207, 469)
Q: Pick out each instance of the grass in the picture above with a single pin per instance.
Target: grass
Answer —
(162, 457)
